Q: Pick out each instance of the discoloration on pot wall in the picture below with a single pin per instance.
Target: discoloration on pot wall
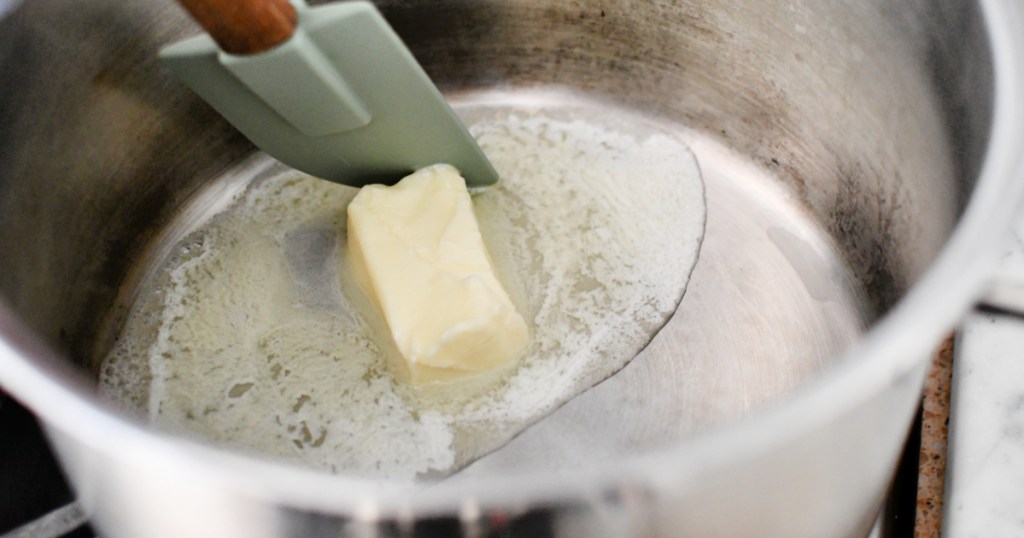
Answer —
(845, 115)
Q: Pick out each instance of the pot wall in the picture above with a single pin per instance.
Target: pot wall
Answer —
(872, 118)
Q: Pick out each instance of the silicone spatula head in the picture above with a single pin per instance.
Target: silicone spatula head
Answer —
(329, 90)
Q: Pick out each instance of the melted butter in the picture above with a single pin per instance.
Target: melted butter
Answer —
(249, 337)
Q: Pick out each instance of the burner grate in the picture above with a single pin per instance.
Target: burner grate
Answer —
(31, 483)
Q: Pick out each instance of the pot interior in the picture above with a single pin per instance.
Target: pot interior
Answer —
(839, 144)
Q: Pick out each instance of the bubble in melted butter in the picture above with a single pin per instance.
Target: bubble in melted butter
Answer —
(250, 335)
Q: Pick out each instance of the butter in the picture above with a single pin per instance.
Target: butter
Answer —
(415, 249)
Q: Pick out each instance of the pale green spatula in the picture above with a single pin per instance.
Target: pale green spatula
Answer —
(329, 90)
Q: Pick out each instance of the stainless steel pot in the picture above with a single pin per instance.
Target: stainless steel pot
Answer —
(862, 162)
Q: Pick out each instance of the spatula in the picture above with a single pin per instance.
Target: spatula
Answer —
(329, 90)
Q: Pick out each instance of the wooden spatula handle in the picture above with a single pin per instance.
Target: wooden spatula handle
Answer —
(244, 26)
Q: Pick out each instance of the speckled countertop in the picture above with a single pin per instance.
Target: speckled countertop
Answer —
(984, 493)
(932, 452)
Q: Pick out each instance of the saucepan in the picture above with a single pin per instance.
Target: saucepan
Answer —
(862, 162)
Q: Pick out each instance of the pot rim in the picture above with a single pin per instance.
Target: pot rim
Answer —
(887, 353)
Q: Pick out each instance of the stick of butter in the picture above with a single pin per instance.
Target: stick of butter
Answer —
(416, 251)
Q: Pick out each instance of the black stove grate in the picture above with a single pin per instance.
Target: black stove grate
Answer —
(31, 483)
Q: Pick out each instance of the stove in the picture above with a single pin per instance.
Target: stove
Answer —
(35, 501)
